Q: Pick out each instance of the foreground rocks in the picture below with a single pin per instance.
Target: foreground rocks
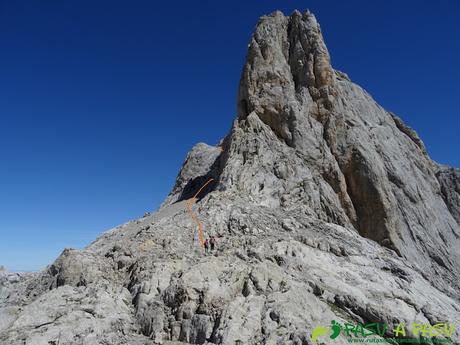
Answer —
(325, 206)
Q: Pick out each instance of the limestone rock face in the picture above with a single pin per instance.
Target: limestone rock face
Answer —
(376, 173)
(325, 207)
(449, 179)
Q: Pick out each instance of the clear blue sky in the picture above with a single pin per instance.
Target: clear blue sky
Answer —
(101, 100)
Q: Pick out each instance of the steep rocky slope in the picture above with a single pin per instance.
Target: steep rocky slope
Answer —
(325, 206)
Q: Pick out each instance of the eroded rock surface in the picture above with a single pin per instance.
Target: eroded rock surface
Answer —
(325, 207)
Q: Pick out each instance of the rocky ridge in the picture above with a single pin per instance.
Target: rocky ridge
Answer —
(325, 205)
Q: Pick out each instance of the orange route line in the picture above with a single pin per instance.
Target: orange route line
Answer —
(190, 202)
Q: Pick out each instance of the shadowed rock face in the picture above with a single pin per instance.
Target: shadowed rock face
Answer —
(449, 179)
(325, 206)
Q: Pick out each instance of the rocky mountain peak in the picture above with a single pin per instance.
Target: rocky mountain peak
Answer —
(347, 141)
(287, 66)
(307, 138)
(325, 207)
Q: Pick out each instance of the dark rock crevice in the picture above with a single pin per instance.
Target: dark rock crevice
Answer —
(449, 180)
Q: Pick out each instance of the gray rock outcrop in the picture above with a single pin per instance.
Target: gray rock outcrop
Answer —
(325, 207)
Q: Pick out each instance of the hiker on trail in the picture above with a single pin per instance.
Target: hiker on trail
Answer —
(206, 246)
(212, 242)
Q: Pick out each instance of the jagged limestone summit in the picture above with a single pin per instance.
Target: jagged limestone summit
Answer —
(325, 205)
